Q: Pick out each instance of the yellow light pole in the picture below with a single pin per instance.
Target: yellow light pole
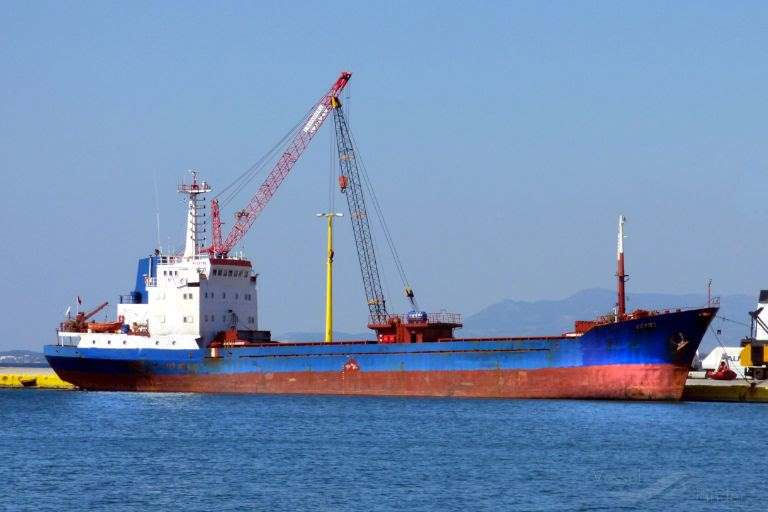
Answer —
(329, 278)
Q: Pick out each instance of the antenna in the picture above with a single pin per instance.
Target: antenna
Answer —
(157, 213)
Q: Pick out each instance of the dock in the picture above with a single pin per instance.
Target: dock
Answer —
(738, 390)
(33, 378)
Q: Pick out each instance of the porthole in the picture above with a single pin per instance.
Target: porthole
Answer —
(173, 342)
(109, 342)
(157, 342)
(93, 341)
(124, 342)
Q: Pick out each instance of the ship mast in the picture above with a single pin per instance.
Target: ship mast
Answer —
(621, 276)
(195, 238)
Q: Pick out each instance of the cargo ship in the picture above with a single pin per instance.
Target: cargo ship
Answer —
(191, 324)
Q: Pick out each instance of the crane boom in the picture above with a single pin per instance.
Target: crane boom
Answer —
(91, 313)
(352, 187)
(246, 216)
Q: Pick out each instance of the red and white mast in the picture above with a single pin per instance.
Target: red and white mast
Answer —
(621, 276)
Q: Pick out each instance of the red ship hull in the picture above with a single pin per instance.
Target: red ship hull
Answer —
(618, 382)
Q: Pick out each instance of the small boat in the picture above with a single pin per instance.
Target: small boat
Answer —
(105, 326)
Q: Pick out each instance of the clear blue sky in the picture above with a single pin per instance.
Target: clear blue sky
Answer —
(503, 138)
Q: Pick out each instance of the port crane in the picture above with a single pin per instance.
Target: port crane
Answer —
(244, 218)
(417, 325)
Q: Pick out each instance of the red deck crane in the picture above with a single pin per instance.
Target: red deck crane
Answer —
(246, 216)
(80, 322)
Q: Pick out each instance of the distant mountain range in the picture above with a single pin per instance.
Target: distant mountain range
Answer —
(551, 317)
(22, 358)
(522, 318)
(540, 317)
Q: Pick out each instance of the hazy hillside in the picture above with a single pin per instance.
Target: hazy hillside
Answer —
(22, 358)
(514, 317)
(520, 318)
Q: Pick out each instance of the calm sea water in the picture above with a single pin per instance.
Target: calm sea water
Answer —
(72, 451)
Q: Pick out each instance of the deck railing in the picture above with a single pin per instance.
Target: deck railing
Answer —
(168, 259)
(411, 318)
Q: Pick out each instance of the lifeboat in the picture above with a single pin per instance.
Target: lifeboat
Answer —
(105, 326)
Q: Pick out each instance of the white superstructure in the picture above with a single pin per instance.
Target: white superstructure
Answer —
(181, 301)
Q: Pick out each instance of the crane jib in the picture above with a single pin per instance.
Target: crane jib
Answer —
(353, 188)
(281, 169)
(316, 119)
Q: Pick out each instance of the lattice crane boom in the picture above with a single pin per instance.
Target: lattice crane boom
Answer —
(245, 217)
(352, 187)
